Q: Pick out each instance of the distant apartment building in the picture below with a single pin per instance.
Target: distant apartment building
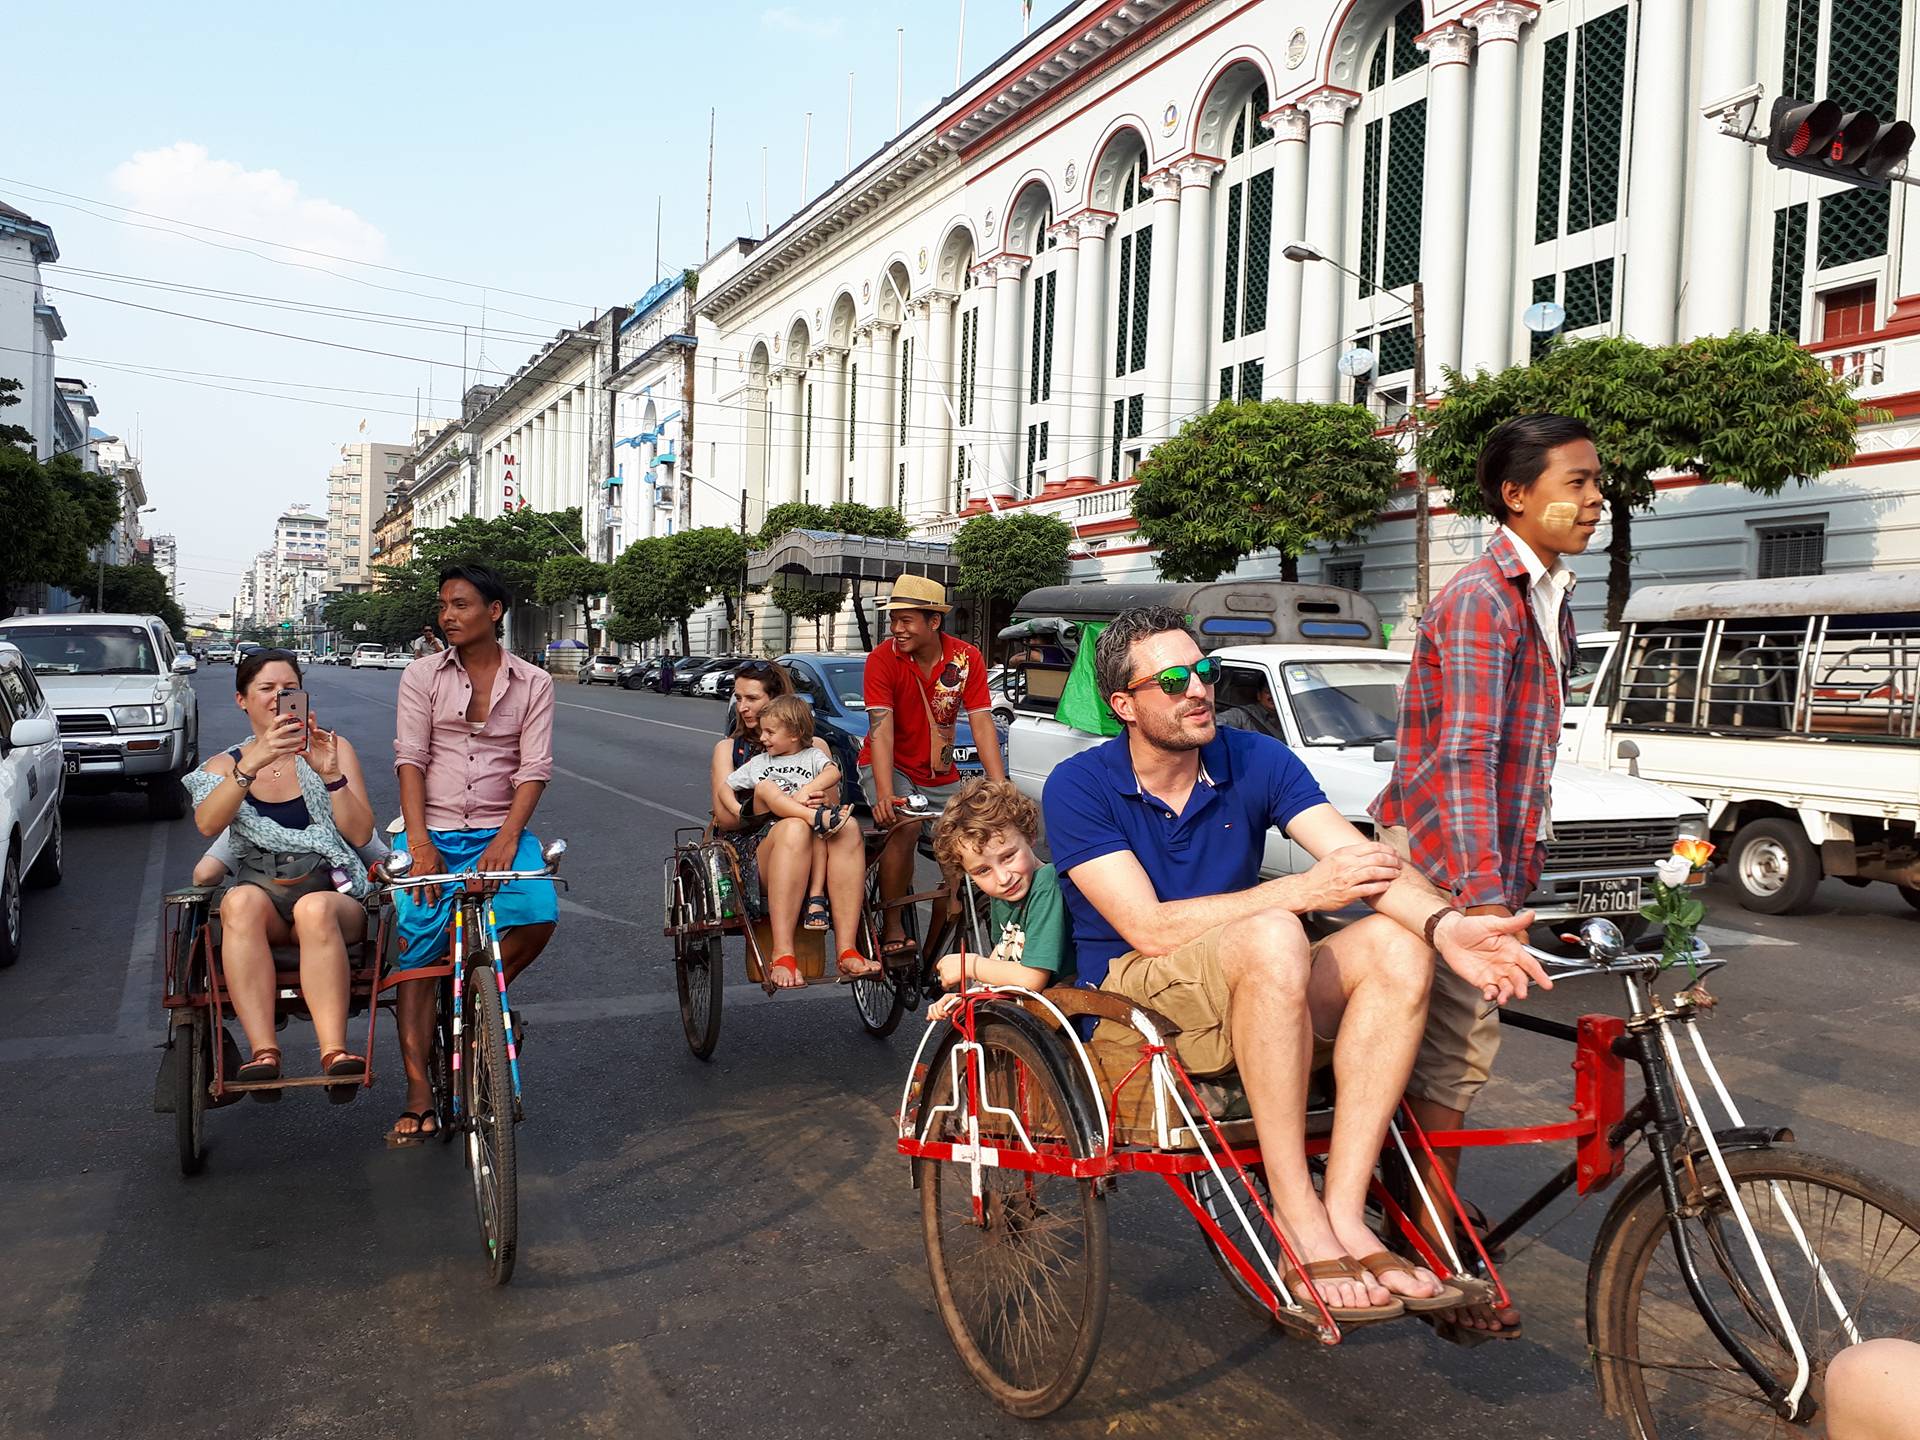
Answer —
(358, 489)
(166, 559)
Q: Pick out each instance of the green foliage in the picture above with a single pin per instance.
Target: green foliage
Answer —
(56, 513)
(13, 434)
(1002, 557)
(565, 578)
(139, 589)
(793, 515)
(802, 603)
(1751, 409)
(662, 580)
(879, 521)
(625, 630)
(1262, 475)
(514, 546)
(392, 617)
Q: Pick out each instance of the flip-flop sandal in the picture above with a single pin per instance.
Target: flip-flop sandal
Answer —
(867, 971)
(1383, 1263)
(817, 915)
(398, 1139)
(265, 1065)
(1467, 1336)
(905, 945)
(346, 1067)
(791, 965)
(1300, 1285)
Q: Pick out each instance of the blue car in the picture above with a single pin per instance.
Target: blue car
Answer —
(833, 683)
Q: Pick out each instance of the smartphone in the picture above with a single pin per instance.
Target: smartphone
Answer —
(293, 702)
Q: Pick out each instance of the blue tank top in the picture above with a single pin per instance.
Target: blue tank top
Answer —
(291, 813)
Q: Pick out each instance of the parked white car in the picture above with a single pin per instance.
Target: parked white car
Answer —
(32, 785)
(127, 714)
(1336, 706)
(1789, 708)
(369, 657)
(398, 659)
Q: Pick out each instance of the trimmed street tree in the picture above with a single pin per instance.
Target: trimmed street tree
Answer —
(1262, 475)
(847, 517)
(793, 515)
(571, 579)
(139, 589)
(1751, 409)
(1002, 557)
(514, 546)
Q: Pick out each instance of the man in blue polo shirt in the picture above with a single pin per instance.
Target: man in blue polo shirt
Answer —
(1157, 836)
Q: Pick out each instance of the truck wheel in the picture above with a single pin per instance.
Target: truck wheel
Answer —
(1773, 867)
(166, 797)
(1911, 894)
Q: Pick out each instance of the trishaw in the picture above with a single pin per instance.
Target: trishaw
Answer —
(706, 901)
(1728, 1269)
(475, 1072)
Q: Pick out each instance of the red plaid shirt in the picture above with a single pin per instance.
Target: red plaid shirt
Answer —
(1479, 728)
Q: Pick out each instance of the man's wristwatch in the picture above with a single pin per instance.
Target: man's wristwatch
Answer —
(1433, 922)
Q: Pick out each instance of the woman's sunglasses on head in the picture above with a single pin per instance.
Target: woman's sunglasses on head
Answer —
(1175, 679)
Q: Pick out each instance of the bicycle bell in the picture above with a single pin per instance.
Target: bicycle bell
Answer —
(1602, 938)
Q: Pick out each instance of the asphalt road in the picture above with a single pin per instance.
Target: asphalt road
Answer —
(729, 1248)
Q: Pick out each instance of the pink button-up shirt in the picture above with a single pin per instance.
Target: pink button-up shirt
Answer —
(471, 773)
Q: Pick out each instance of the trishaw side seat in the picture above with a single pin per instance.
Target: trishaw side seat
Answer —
(1077, 1000)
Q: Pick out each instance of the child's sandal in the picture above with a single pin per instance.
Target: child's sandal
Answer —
(817, 915)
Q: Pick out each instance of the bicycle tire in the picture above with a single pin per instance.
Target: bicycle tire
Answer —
(979, 1297)
(489, 1124)
(698, 967)
(1637, 1305)
(1208, 1194)
(440, 1063)
(192, 1075)
(880, 1002)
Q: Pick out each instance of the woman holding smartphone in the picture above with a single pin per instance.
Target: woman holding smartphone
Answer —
(294, 802)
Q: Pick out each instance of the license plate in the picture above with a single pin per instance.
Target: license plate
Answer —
(73, 764)
(1611, 896)
(965, 754)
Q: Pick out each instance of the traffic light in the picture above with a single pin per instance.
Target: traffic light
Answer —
(1856, 147)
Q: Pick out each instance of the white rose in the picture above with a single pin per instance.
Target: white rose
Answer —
(1673, 870)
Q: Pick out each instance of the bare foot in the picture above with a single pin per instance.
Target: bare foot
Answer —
(1411, 1282)
(1356, 1294)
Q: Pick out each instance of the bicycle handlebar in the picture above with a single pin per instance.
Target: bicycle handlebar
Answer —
(1636, 961)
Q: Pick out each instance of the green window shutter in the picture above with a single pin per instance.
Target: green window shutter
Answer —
(1362, 384)
(1863, 56)
(1046, 347)
(1801, 50)
(1142, 279)
(1394, 349)
(1230, 287)
(1259, 248)
(1406, 29)
(1119, 407)
(1257, 105)
(853, 407)
(1226, 384)
(966, 365)
(1033, 440)
(1599, 107)
(1553, 106)
(1136, 412)
(807, 448)
(1253, 380)
(1036, 323)
(1370, 206)
(1789, 270)
(1590, 294)
(1406, 180)
(1853, 226)
(1045, 426)
(1121, 305)
(1377, 67)
(1239, 144)
(1542, 290)
(906, 384)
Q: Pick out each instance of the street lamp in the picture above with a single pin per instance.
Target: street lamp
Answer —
(1302, 253)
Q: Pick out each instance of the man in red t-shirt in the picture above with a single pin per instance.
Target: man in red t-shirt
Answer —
(919, 682)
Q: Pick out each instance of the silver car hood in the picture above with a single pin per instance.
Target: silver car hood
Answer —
(99, 692)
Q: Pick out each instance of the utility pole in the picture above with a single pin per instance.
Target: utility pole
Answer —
(1422, 583)
(709, 243)
(743, 638)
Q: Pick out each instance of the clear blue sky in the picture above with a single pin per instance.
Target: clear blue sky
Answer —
(517, 147)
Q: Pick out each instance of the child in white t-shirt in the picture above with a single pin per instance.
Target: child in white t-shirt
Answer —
(788, 764)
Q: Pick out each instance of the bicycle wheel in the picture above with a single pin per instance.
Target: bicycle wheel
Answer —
(1658, 1365)
(440, 1064)
(1022, 1289)
(697, 966)
(1212, 1198)
(881, 1001)
(193, 1073)
(488, 1094)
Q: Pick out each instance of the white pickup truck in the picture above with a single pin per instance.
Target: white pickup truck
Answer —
(1337, 705)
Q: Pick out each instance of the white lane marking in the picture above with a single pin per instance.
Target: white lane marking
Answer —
(574, 907)
(643, 719)
(686, 815)
(136, 1001)
(1722, 937)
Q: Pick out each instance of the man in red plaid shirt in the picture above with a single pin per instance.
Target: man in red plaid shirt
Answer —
(1479, 727)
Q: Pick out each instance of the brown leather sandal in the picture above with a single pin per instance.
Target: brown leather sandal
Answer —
(1383, 1263)
(1300, 1285)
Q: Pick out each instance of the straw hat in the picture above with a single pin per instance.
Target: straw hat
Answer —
(916, 592)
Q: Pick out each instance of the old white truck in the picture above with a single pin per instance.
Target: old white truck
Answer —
(1334, 688)
(1789, 708)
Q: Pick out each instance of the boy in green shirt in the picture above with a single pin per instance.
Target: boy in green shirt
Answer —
(987, 834)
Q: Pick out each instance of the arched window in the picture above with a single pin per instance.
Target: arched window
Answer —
(1243, 248)
(1131, 269)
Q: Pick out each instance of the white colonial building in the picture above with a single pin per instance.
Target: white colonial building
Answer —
(644, 491)
(1013, 300)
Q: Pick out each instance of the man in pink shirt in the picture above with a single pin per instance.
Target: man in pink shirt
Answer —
(473, 749)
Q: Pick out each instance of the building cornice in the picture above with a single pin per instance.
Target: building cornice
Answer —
(566, 347)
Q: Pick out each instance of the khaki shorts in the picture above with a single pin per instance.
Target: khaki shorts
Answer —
(1189, 987)
(905, 785)
(1463, 1027)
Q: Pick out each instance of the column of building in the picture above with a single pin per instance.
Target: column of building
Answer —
(1284, 277)
(784, 434)
(1443, 214)
(1656, 194)
(879, 412)
(929, 420)
(1321, 286)
(1062, 380)
(1085, 388)
(1487, 331)
(1195, 316)
(1722, 211)
(1162, 282)
(1006, 373)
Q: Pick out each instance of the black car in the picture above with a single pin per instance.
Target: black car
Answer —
(637, 674)
(685, 672)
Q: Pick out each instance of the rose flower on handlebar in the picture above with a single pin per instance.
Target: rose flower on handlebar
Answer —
(1673, 907)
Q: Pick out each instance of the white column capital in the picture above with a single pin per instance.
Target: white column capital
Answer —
(1501, 19)
(981, 274)
(826, 352)
(1092, 224)
(1065, 235)
(1449, 43)
(1328, 105)
(1289, 122)
(1196, 171)
(875, 330)
(1009, 267)
(1164, 184)
(928, 301)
